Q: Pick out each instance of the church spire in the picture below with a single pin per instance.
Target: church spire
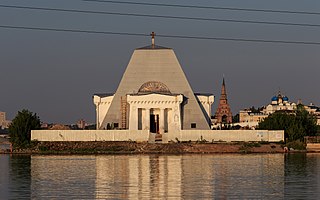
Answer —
(223, 114)
(223, 90)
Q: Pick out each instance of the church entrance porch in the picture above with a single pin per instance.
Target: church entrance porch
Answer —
(158, 120)
(157, 113)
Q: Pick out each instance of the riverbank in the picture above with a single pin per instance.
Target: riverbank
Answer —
(148, 148)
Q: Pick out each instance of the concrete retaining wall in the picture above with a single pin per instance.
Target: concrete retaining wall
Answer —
(314, 147)
(227, 135)
(143, 135)
(89, 135)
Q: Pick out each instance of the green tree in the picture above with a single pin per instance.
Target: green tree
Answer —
(277, 121)
(21, 126)
(235, 119)
(308, 121)
(296, 125)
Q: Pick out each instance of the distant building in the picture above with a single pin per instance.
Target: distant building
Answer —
(4, 123)
(44, 125)
(59, 127)
(315, 110)
(279, 102)
(223, 114)
(81, 124)
(251, 117)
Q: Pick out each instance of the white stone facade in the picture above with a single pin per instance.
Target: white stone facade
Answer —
(154, 94)
(155, 70)
(4, 123)
(102, 104)
(164, 110)
(206, 102)
(146, 136)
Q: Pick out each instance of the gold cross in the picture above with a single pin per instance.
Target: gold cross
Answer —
(153, 34)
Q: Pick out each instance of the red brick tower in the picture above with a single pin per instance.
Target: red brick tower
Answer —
(223, 113)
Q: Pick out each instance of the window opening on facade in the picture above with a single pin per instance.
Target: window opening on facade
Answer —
(193, 125)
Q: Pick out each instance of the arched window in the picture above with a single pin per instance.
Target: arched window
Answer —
(154, 87)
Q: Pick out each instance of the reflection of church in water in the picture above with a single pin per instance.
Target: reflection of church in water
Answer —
(154, 94)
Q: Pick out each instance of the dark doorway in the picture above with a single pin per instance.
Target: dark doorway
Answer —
(154, 123)
(224, 119)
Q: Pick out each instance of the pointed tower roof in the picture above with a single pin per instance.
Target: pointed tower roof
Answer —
(223, 113)
(223, 90)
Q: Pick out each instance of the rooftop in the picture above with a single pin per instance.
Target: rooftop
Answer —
(103, 94)
(152, 47)
(203, 94)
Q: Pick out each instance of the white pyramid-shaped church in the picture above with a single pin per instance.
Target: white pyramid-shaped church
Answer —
(154, 94)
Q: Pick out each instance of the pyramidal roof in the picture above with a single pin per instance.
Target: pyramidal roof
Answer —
(153, 47)
(156, 63)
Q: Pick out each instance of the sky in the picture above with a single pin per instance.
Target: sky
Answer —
(55, 74)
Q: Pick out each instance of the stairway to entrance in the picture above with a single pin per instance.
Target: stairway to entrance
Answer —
(158, 138)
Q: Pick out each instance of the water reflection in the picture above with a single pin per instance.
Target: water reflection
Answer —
(14, 179)
(63, 177)
(192, 176)
(234, 176)
(256, 176)
(151, 176)
(302, 176)
(133, 177)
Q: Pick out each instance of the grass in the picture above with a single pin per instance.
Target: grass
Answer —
(246, 146)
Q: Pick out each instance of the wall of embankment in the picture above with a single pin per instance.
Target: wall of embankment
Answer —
(228, 135)
(89, 135)
(144, 135)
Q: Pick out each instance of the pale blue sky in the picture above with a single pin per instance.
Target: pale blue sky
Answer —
(55, 74)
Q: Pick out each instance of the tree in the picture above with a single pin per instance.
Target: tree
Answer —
(309, 121)
(235, 119)
(296, 125)
(21, 126)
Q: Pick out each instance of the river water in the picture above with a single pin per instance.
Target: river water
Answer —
(215, 176)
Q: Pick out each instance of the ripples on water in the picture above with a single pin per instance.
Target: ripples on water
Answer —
(221, 176)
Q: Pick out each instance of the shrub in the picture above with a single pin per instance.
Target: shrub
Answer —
(21, 126)
(296, 145)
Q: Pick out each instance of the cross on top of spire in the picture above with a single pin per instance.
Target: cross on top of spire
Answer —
(153, 34)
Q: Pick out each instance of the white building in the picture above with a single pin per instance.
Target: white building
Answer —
(154, 102)
(279, 102)
(154, 94)
(251, 118)
(4, 123)
(315, 110)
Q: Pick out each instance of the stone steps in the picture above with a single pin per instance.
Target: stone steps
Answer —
(158, 138)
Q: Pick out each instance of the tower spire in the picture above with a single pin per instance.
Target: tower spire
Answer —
(223, 113)
(223, 89)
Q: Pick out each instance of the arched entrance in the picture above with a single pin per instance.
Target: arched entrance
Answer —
(224, 119)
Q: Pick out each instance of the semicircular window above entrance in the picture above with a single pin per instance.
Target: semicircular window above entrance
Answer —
(154, 87)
